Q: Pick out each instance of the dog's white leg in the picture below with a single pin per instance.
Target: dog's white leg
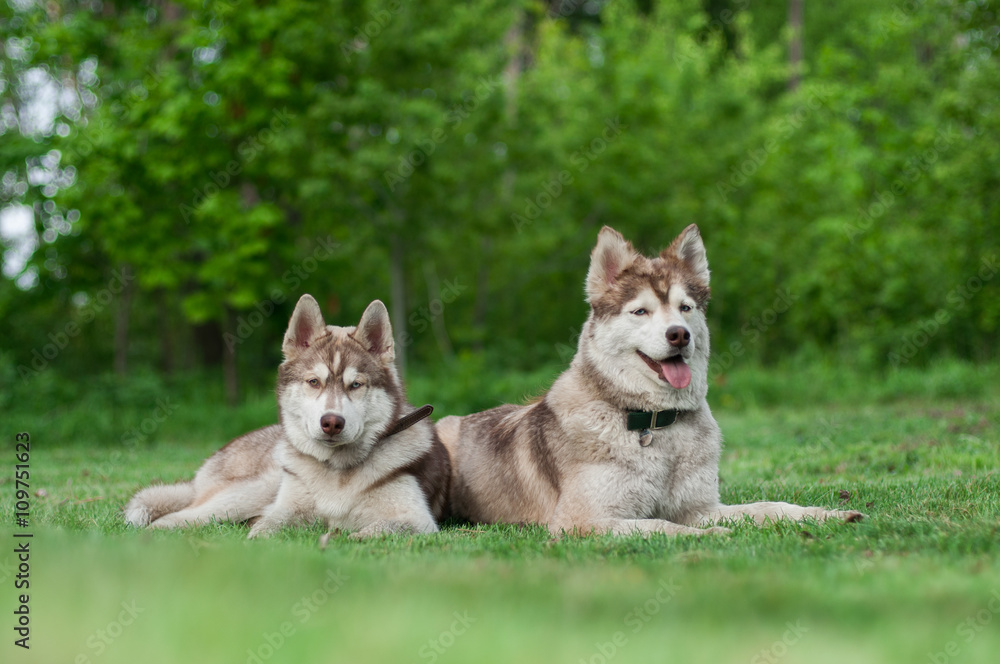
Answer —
(275, 516)
(156, 501)
(766, 511)
(271, 522)
(236, 502)
(283, 510)
(396, 507)
(393, 527)
(643, 527)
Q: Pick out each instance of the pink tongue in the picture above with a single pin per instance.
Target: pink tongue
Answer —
(677, 373)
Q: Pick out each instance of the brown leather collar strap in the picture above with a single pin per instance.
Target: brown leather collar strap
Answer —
(404, 423)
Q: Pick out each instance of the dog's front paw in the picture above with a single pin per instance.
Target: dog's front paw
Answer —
(370, 532)
(137, 515)
(167, 522)
(823, 514)
(848, 516)
(385, 527)
(696, 531)
(363, 534)
(261, 530)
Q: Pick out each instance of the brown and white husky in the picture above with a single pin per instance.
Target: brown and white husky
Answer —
(349, 449)
(624, 441)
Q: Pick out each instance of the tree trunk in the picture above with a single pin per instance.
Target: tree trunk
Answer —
(795, 45)
(122, 321)
(479, 309)
(397, 311)
(229, 361)
(514, 42)
(436, 306)
(166, 333)
(516, 56)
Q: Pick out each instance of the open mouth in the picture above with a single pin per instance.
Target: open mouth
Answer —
(674, 370)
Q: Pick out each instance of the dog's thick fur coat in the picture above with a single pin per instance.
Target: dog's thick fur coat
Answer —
(568, 460)
(339, 394)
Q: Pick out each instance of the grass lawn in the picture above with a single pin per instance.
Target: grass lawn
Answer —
(917, 582)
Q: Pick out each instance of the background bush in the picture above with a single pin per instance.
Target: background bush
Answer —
(462, 159)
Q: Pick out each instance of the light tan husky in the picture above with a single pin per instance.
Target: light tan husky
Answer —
(624, 441)
(349, 449)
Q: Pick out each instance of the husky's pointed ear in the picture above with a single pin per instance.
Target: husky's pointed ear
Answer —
(375, 332)
(612, 255)
(689, 249)
(304, 327)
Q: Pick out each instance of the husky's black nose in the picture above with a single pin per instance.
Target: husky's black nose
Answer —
(332, 424)
(678, 336)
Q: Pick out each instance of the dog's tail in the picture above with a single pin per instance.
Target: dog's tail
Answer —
(151, 503)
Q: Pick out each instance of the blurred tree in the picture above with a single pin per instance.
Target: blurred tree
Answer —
(458, 161)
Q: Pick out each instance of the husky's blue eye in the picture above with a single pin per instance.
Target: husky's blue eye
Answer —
(639, 312)
(356, 384)
(685, 308)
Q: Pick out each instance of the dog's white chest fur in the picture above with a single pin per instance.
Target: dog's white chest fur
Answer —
(328, 493)
(663, 480)
(318, 489)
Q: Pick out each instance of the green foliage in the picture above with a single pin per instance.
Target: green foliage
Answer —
(214, 144)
